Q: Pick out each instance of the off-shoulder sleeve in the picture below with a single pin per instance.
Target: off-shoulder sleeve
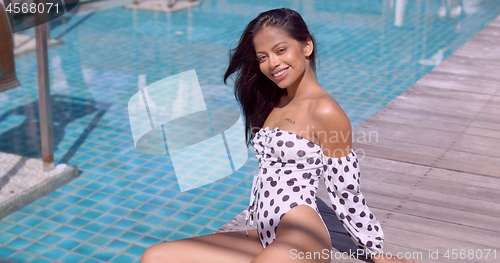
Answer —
(341, 177)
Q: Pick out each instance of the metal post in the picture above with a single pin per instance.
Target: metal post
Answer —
(48, 30)
(44, 101)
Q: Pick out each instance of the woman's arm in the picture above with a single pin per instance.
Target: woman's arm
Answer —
(342, 177)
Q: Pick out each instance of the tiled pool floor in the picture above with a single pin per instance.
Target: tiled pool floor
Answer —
(125, 201)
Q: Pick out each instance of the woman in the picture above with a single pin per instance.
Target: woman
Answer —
(294, 118)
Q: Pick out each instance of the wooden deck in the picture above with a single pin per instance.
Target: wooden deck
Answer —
(432, 175)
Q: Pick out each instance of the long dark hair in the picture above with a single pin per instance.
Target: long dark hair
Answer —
(255, 92)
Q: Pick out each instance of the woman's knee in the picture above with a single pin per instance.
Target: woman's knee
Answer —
(159, 253)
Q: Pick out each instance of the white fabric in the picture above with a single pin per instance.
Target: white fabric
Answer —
(290, 167)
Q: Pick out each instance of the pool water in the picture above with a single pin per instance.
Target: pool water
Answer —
(124, 200)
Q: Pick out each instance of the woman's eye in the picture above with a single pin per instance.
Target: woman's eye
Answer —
(280, 51)
(261, 58)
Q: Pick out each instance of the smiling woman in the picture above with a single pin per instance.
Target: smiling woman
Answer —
(276, 86)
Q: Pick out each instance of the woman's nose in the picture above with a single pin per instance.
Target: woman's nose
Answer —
(274, 61)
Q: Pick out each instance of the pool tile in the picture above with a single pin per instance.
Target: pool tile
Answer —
(72, 258)
(99, 241)
(61, 218)
(78, 222)
(95, 227)
(17, 230)
(154, 220)
(116, 200)
(46, 213)
(123, 259)
(147, 208)
(82, 235)
(118, 245)
(160, 234)
(86, 249)
(107, 219)
(104, 255)
(91, 260)
(50, 239)
(36, 248)
(112, 232)
(91, 215)
(19, 243)
(148, 241)
(141, 228)
(135, 250)
(68, 244)
(124, 223)
(53, 253)
(34, 234)
(136, 216)
(41, 260)
(21, 257)
(130, 237)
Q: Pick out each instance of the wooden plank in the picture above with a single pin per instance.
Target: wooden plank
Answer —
(430, 243)
(417, 118)
(401, 151)
(429, 188)
(468, 71)
(473, 64)
(482, 132)
(494, 103)
(486, 124)
(370, 167)
(493, 31)
(389, 131)
(443, 99)
(401, 112)
(471, 163)
(478, 144)
(418, 192)
(480, 47)
(450, 215)
(446, 104)
(447, 81)
(483, 183)
(433, 227)
(495, 22)
(411, 170)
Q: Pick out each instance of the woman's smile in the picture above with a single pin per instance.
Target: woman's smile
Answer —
(279, 75)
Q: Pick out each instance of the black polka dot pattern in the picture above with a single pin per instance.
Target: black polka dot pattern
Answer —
(290, 168)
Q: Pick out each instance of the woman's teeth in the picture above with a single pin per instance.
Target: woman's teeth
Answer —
(279, 73)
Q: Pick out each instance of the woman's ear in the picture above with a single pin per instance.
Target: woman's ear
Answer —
(308, 47)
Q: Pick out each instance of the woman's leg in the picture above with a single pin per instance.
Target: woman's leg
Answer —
(231, 247)
(301, 236)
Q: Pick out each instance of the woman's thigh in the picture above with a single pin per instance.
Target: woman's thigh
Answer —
(301, 236)
(231, 247)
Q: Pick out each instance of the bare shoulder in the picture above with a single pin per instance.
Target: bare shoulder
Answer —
(332, 126)
(329, 115)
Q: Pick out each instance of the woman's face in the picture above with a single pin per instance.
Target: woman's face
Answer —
(281, 58)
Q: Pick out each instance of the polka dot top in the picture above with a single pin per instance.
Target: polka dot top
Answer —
(290, 167)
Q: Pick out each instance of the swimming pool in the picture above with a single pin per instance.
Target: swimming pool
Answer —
(123, 200)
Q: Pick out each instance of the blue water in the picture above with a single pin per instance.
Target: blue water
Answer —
(124, 201)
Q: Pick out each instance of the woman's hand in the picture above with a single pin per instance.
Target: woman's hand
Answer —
(381, 258)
